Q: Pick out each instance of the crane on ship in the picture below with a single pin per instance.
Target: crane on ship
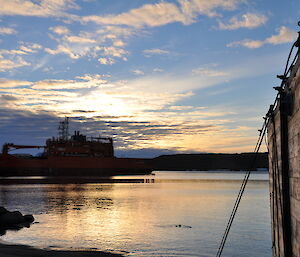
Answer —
(9, 147)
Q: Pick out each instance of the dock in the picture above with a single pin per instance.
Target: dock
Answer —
(284, 162)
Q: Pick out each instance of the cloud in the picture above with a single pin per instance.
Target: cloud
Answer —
(148, 15)
(42, 8)
(138, 113)
(106, 61)
(247, 43)
(192, 8)
(118, 43)
(142, 98)
(39, 95)
(116, 100)
(158, 70)
(8, 101)
(145, 152)
(60, 30)
(285, 35)
(112, 51)
(8, 98)
(7, 31)
(36, 127)
(115, 32)
(12, 52)
(138, 72)
(181, 107)
(11, 59)
(5, 83)
(172, 83)
(55, 84)
(78, 39)
(61, 49)
(30, 47)
(209, 72)
(248, 20)
(23, 49)
(27, 49)
(152, 15)
(8, 64)
(149, 52)
(33, 127)
(92, 77)
(106, 44)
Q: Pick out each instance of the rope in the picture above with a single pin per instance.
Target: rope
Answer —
(241, 191)
(262, 133)
(276, 201)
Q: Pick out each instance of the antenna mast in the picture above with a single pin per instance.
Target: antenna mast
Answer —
(63, 129)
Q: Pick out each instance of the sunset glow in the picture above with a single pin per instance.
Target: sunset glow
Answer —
(178, 75)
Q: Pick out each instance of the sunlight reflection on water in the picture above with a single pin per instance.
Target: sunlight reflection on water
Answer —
(183, 215)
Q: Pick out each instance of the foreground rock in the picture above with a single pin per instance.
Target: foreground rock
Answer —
(13, 218)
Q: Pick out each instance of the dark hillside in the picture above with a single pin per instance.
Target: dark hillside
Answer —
(210, 161)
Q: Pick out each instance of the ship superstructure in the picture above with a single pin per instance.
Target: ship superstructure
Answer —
(78, 144)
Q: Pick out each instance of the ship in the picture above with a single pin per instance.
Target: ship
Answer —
(77, 155)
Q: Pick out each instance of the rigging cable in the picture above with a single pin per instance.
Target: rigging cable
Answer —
(240, 194)
(262, 133)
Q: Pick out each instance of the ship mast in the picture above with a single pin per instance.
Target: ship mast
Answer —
(63, 129)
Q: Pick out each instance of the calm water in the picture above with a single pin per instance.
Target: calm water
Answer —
(181, 214)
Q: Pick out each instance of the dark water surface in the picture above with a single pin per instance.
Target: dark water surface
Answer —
(181, 214)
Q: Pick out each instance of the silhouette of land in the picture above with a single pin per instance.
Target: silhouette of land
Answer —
(211, 161)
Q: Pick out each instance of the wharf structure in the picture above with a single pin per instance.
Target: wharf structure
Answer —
(283, 129)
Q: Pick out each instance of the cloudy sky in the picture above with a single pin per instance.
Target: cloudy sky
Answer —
(158, 76)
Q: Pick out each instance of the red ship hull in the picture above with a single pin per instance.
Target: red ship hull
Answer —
(11, 165)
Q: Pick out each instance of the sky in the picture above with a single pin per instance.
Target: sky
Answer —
(172, 76)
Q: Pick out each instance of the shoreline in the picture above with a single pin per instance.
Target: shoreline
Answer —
(16, 250)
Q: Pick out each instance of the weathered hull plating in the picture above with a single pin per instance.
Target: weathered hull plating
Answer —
(71, 166)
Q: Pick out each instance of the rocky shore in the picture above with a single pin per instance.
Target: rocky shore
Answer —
(14, 221)
(10, 250)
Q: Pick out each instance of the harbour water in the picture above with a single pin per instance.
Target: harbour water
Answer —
(176, 214)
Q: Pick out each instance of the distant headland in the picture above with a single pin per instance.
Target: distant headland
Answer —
(211, 161)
